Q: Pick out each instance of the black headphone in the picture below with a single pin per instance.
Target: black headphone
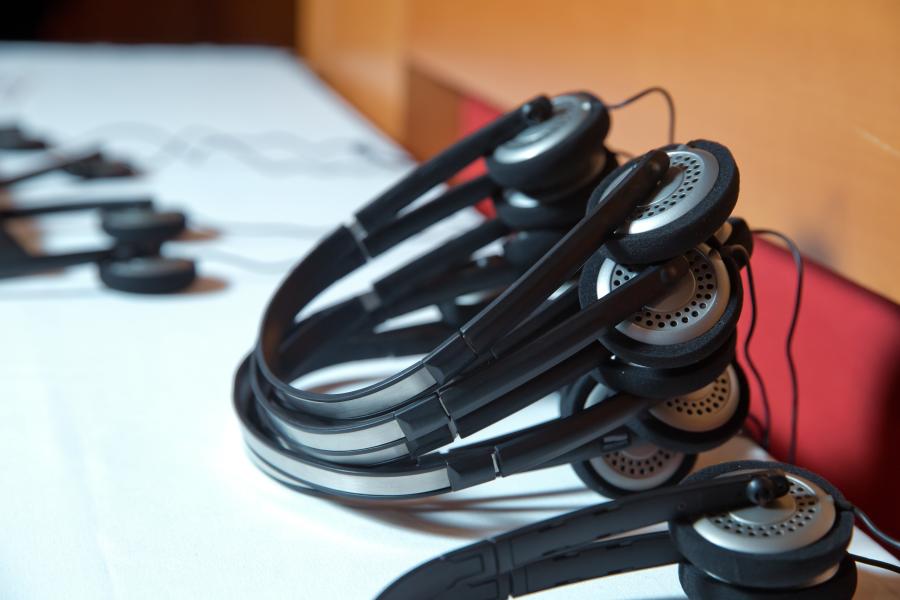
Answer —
(12, 137)
(746, 530)
(660, 446)
(488, 359)
(132, 263)
(85, 164)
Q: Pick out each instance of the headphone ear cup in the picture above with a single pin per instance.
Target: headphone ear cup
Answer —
(100, 167)
(524, 248)
(142, 226)
(701, 420)
(683, 328)
(558, 154)
(793, 543)
(523, 213)
(148, 275)
(638, 468)
(699, 585)
(650, 382)
(696, 197)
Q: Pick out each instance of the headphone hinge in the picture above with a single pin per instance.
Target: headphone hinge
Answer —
(426, 426)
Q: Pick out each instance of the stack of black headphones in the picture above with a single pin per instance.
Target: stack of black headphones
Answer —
(133, 262)
(641, 258)
(620, 287)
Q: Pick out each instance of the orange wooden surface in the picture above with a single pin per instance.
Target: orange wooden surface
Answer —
(359, 47)
(806, 93)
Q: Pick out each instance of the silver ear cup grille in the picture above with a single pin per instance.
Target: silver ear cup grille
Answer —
(638, 468)
(705, 409)
(801, 517)
(569, 111)
(691, 309)
(691, 175)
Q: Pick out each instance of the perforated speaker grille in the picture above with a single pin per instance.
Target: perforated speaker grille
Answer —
(692, 174)
(640, 467)
(691, 309)
(705, 409)
(801, 517)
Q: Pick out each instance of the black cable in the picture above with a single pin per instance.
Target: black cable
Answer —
(875, 563)
(763, 393)
(788, 346)
(651, 90)
(765, 427)
(878, 533)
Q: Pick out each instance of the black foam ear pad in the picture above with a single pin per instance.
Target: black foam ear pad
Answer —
(693, 201)
(636, 469)
(649, 382)
(521, 212)
(557, 154)
(148, 275)
(524, 248)
(700, 586)
(792, 543)
(640, 467)
(682, 328)
(701, 420)
(143, 226)
(525, 213)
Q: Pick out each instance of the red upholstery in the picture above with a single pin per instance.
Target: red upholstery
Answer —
(847, 349)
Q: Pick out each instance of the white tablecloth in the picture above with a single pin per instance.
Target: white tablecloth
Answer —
(121, 465)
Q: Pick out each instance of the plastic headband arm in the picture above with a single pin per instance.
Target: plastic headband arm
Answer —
(382, 209)
(472, 572)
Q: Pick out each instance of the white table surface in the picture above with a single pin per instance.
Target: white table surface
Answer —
(122, 470)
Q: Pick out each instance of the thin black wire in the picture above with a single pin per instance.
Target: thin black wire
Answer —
(670, 103)
(788, 346)
(763, 393)
(764, 428)
(875, 563)
(878, 533)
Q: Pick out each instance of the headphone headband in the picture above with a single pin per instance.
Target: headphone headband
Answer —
(453, 575)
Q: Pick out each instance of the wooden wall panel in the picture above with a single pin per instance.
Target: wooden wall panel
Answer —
(359, 47)
(805, 92)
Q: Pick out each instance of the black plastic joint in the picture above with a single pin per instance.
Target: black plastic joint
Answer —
(426, 426)
(450, 358)
(468, 469)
